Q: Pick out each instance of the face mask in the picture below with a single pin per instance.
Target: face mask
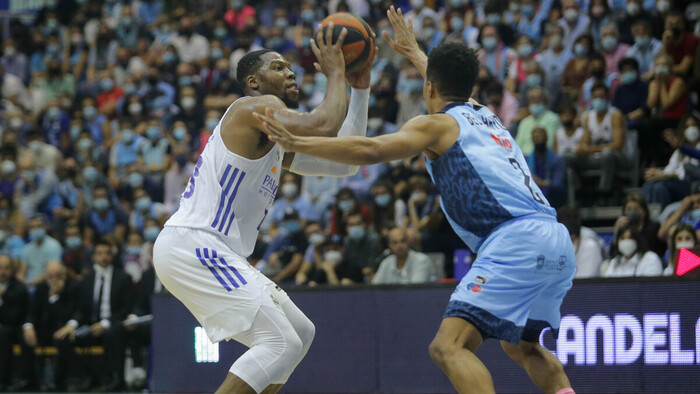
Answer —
(10, 51)
(345, 205)
(185, 80)
(627, 247)
(599, 104)
(533, 80)
(685, 245)
(456, 3)
(580, 49)
(541, 148)
(129, 88)
(417, 3)
(143, 204)
(571, 14)
(74, 132)
(418, 196)
(598, 73)
(333, 256)
(101, 204)
(181, 160)
(663, 6)
(153, 132)
(489, 43)
(289, 190)
(457, 23)
(281, 23)
(555, 41)
(236, 4)
(608, 43)
(629, 77)
(356, 232)
(661, 70)
(188, 102)
(16, 123)
(168, 57)
(692, 133)
(525, 50)
(428, 33)
(35, 146)
(133, 250)
(316, 238)
(536, 108)
(220, 32)
(307, 88)
(382, 199)
(179, 134)
(374, 123)
(37, 234)
(151, 233)
(493, 19)
(135, 108)
(84, 144)
(106, 84)
(307, 16)
(527, 10)
(634, 216)
(414, 85)
(90, 174)
(306, 42)
(211, 123)
(89, 112)
(53, 112)
(633, 8)
(642, 41)
(275, 42)
(73, 242)
(126, 20)
(292, 226)
(127, 136)
(217, 53)
(8, 167)
(135, 179)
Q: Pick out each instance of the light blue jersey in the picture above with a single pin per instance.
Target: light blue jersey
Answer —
(483, 179)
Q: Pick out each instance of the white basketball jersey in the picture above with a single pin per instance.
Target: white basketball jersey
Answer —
(228, 194)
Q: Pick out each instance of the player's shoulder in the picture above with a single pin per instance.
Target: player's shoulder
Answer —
(256, 102)
(431, 122)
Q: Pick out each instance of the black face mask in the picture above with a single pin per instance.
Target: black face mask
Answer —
(598, 74)
(186, 31)
(676, 32)
(568, 123)
(541, 148)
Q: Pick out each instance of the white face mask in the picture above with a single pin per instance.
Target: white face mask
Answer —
(289, 190)
(692, 133)
(627, 247)
(685, 245)
(333, 256)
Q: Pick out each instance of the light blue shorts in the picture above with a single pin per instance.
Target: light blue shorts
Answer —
(518, 281)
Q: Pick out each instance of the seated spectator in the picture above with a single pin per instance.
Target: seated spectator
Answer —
(319, 266)
(679, 44)
(76, 256)
(636, 13)
(599, 15)
(589, 254)
(548, 169)
(569, 135)
(645, 49)
(131, 258)
(44, 155)
(52, 319)
(14, 61)
(420, 202)
(613, 50)
(667, 102)
(576, 70)
(176, 177)
(41, 249)
(191, 46)
(362, 248)
(123, 153)
(291, 198)
(154, 158)
(635, 215)
(603, 140)
(11, 219)
(346, 204)
(516, 73)
(598, 76)
(683, 237)
(633, 257)
(104, 218)
(554, 60)
(144, 208)
(574, 22)
(14, 304)
(495, 55)
(687, 213)
(403, 266)
(672, 183)
(539, 116)
(388, 211)
(631, 94)
(285, 254)
(502, 103)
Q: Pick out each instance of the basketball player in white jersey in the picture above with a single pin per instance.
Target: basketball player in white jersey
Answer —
(200, 256)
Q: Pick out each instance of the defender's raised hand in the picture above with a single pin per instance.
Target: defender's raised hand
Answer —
(329, 54)
(405, 43)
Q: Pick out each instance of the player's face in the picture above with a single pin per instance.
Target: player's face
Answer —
(277, 78)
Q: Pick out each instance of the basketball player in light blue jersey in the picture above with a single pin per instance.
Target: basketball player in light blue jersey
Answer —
(525, 261)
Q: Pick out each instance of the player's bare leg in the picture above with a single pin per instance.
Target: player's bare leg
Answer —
(453, 351)
(544, 369)
(234, 384)
(272, 389)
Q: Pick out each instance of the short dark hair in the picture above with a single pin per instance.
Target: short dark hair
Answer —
(249, 64)
(600, 86)
(596, 56)
(453, 68)
(628, 61)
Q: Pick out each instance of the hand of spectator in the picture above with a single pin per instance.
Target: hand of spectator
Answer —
(30, 337)
(97, 329)
(360, 78)
(412, 236)
(327, 266)
(67, 330)
(582, 150)
(622, 221)
(653, 174)
(686, 204)
(674, 140)
(300, 278)
(405, 43)
(367, 271)
(130, 327)
(667, 37)
(636, 114)
(330, 56)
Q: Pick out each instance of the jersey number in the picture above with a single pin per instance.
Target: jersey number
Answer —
(190, 185)
(517, 166)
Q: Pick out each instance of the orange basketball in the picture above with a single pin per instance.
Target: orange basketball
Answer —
(358, 45)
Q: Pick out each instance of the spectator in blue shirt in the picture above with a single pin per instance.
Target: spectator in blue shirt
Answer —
(40, 250)
(531, 19)
(548, 169)
(289, 190)
(104, 218)
(631, 95)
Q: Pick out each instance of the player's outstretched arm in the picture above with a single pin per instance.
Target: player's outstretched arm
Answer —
(413, 138)
(405, 43)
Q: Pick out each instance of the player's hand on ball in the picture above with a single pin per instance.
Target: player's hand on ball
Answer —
(405, 42)
(275, 131)
(329, 54)
(360, 79)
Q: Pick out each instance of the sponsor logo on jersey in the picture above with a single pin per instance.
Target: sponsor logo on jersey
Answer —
(503, 142)
(473, 287)
(269, 185)
(480, 279)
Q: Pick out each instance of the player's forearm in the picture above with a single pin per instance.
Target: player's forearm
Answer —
(348, 150)
(420, 60)
(329, 115)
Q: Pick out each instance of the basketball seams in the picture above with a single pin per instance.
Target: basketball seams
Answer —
(359, 43)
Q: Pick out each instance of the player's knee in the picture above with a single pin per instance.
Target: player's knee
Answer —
(306, 332)
(292, 347)
(439, 352)
(513, 351)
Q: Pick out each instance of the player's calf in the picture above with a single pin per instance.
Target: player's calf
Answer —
(543, 367)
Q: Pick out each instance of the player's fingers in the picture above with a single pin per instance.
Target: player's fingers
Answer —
(268, 112)
(317, 67)
(329, 34)
(341, 38)
(315, 49)
(388, 39)
(320, 42)
(410, 24)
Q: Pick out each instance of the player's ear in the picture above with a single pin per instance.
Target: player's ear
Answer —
(252, 81)
(430, 89)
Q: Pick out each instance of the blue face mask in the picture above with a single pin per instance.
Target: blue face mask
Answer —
(281, 23)
(53, 112)
(533, 80)
(185, 80)
(151, 233)
(127, 136)
(73, 242)
(211, 123)
(143, 204)
(642, 41)
(217, 53)
(536, 108)
(527, 9)
(383, 199)
(220, 32)
(489, 43)
(599, 104)
(135, 179)
(168, 57)
(74, 132)
(153, 132)
(457, 23)
(307, 16)
(292, 226)
(133, 250)
(629, 77)
(106, 84)
(101, 204)
(356, 232)
(414, 85)
(580, 49)
(525, 50)
(89, 112)
(84, 144)
(90, 174)
(316, 238)
(129, 88)
(179, 134)
(306, 42)
(345, 205)
(37, 234)
(608, 43)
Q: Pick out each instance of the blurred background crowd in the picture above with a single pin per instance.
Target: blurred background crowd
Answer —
(106, 105)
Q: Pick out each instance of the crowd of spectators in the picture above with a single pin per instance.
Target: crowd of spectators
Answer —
(106, 105)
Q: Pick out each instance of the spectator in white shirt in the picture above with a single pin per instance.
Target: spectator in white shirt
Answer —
(632, 258)
(191, 47)
(404, 266)
(589, 251)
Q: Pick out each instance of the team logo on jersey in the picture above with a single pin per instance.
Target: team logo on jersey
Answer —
(274, 300)
(474, 288)
(503, 142)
